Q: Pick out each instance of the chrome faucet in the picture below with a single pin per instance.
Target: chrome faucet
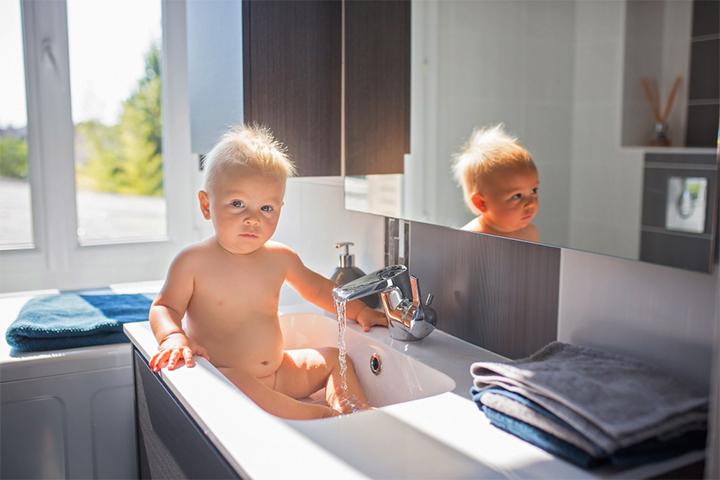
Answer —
(408, 319)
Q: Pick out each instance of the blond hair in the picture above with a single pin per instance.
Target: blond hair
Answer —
(487, 151)
(249, 146)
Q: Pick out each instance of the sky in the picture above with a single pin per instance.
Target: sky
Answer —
(107, 38)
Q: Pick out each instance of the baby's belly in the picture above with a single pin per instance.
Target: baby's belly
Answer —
(253, 345)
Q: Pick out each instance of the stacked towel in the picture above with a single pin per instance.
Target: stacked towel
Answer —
(69, 320)
(591, 407)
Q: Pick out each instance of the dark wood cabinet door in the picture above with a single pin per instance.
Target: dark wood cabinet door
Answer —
(292, 78)
(377, 86)
(170, 444)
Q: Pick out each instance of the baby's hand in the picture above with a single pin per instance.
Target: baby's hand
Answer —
(175, 350)
(369, 317)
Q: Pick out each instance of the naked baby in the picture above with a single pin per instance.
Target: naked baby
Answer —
(227, 289)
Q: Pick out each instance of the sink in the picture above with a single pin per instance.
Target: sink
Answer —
(399, 378)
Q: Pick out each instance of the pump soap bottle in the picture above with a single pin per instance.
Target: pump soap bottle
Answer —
(348, 272)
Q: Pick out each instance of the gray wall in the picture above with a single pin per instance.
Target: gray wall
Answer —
(659, 314)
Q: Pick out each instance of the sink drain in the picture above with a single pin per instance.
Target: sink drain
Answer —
(375, 364)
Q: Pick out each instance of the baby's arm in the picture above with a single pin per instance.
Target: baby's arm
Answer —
(318, 290)
(166, 314)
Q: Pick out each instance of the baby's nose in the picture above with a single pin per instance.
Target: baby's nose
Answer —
(251, 220)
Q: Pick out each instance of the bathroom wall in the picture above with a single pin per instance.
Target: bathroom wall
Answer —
(499, 294)
(597, 154)
(660, 314)
(314, 218)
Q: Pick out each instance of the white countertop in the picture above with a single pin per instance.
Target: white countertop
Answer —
(444, 436)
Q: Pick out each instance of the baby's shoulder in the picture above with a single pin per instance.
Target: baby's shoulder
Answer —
(195, 252)
(280, 251)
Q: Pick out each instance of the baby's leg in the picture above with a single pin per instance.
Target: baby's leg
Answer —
(262, 392)
(304, 372)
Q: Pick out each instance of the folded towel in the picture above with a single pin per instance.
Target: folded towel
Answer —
(612, 400)
(71, 320)
(652, 450)
(541, 439)
(516, 406)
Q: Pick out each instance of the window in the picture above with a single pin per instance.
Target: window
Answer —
(102, 116)
(15, 217)
(116, 110)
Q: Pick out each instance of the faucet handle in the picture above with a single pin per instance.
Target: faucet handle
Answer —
(429, 299)
(415, 289)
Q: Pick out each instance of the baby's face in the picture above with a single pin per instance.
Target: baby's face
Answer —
(244, 206)
(511, 199)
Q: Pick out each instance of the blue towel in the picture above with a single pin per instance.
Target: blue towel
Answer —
(541, 439)
(70, 320)
(531, 434)
(651, 450)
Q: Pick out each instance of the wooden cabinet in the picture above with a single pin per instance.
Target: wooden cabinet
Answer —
(293, 53)
(271, 63)
(279, 64)
(170, 443)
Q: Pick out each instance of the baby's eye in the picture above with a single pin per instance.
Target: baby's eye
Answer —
(517, 196)
(535, 190)
(267, 208)
(237, 203)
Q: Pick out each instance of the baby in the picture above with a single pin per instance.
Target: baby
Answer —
(500, 184)
(227, 288)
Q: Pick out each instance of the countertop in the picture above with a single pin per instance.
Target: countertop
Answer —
(443, 436)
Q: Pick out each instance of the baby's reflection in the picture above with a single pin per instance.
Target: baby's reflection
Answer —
(500, 184)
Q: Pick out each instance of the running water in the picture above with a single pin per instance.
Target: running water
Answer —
(342, 323)
(346, 399)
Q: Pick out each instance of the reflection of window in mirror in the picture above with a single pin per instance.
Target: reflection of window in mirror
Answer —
(500, 184)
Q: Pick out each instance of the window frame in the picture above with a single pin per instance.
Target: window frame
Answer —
(58, 260)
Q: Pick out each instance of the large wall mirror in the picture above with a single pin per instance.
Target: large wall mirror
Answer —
(585, 87)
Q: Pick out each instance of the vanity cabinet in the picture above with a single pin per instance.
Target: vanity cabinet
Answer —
(170, 443)
(279, 64)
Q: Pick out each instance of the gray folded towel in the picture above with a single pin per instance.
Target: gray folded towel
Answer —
(614, 401)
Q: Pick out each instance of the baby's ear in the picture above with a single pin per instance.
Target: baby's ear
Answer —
(204, 204)
(478, 201)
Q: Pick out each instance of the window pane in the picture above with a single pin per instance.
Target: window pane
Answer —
(115, 55)
(15, 211)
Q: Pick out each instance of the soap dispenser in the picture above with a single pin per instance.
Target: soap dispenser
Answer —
(347, 272)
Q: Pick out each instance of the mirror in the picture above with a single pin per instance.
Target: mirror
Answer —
(616, 102)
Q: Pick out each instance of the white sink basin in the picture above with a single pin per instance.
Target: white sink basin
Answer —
(400, 379)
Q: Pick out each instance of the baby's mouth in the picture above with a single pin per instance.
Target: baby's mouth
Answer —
(248, 235)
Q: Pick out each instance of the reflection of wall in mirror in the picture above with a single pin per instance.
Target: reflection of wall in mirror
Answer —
(379, 194)
(553, 72)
